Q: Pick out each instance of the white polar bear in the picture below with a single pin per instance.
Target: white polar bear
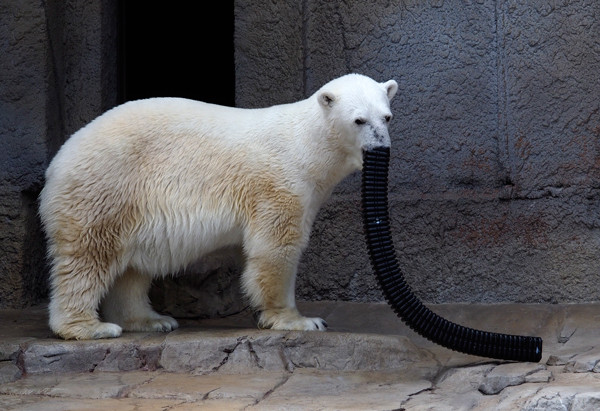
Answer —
(152, 185)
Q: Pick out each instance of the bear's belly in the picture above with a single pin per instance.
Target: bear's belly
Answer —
(164, 247)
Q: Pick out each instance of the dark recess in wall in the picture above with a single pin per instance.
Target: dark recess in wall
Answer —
(177, 49)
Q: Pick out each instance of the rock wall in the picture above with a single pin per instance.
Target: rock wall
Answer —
(495, 181)
(57, 72)
(23, 146)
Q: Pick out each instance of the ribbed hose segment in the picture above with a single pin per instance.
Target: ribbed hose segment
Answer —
(399, 295)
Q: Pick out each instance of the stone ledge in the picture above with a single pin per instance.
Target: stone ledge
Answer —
(368, 359)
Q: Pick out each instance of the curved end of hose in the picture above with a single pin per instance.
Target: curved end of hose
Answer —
(399, 295)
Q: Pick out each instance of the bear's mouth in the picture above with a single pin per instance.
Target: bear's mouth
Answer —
(399, 295)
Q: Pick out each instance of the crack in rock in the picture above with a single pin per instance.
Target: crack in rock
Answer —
(207, 395)
(95, 365)
(508, 375)
(54, 356)
(228, 352)
(560, 359)
(270, 392)
(583, 363)
(254, 355)
(565, 334)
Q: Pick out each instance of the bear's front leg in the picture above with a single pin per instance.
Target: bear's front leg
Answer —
(269, 281)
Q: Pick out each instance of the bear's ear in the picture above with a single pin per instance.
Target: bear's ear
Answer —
(326, 98)
(390, 87)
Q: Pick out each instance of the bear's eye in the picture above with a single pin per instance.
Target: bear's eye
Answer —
(360, 121)
(388, 118)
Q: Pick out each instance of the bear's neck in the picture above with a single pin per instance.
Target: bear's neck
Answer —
(325, 162)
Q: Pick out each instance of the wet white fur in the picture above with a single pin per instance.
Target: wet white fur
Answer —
(152, 185)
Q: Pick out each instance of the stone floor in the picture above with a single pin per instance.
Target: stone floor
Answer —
(368, 360)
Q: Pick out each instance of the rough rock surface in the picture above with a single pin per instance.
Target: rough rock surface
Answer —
(368, 360)
(495, 168)
(495, 171)
(57, 73)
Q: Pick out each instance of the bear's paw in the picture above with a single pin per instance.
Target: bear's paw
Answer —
(158, 323)
(290, 320)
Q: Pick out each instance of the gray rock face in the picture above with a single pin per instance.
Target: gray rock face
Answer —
(493, 189)
(9, 372)
(58, 72)
(211, 288)
(226, 352)
(494, 184)
(507, 375)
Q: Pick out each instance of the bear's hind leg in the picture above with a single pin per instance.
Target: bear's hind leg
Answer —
(127, 304)
(76, 289)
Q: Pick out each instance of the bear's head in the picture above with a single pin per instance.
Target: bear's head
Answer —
(358, 108)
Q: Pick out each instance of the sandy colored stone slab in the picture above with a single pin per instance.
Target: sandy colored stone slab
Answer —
(41, 403)
(192, 388)
(310, 389)
(80, 385)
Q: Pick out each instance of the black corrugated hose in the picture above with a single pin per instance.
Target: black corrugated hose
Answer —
(399, 295)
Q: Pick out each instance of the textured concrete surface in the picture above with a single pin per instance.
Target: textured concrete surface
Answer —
(57, 73)
(22, 157)
(495, 182)
(495, 169)
(367, 360)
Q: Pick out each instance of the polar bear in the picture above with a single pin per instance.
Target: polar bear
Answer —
(152, 185)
